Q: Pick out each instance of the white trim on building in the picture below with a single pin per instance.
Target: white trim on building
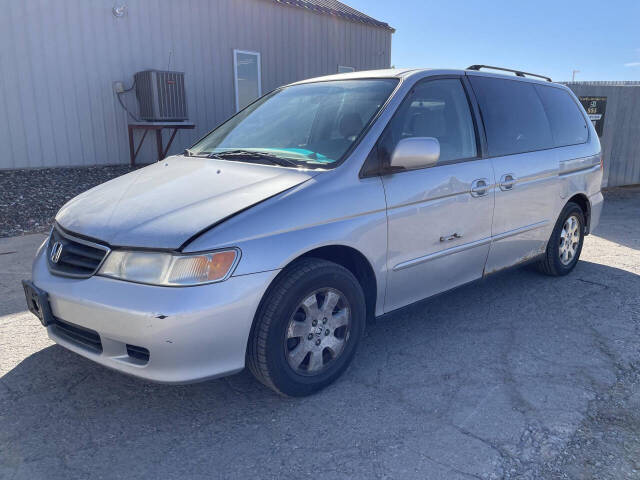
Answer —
(241, 104)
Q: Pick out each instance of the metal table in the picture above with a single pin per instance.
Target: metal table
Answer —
(157, 127)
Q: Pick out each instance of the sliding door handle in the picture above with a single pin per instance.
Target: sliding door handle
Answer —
(507, 181)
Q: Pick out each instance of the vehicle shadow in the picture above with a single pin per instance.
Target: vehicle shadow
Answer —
(449, 384)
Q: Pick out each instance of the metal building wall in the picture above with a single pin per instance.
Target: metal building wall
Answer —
(621, 131)
(59, 58)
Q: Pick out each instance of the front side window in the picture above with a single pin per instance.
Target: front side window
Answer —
(434, 108)
(312, 124)
(568, 125)
(513, 115)
(247, 77)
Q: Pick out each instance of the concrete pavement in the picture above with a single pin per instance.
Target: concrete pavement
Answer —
(517, 376)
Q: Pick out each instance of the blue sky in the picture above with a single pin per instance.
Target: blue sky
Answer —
(599, 38)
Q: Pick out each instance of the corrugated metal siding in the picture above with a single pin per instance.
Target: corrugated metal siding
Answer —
(621, 131)
(58, 61)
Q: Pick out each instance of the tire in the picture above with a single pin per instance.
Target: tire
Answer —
(555, 261)
(285, 328)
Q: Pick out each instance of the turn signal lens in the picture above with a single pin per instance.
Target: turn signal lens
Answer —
(167, 269)
(203, 268)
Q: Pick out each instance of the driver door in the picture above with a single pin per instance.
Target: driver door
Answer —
(438, 218)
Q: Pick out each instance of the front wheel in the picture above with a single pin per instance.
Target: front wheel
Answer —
(565, 244)
(307, 328)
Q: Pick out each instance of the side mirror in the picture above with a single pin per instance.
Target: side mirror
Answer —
(415, 152)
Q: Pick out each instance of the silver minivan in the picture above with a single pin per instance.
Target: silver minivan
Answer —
(272, 240)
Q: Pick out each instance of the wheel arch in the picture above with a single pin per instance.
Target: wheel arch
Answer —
(583, 202)
(348, 257)
(357, 263)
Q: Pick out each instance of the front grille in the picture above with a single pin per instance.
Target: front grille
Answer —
(74, 257)
(81, 336)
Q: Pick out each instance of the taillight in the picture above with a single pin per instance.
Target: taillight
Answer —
(601, 163)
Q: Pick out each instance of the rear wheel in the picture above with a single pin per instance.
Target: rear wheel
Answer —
(565, 244)
(307, 328)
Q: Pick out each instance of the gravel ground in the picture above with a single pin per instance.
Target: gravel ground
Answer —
(607, 443)
(29, 199)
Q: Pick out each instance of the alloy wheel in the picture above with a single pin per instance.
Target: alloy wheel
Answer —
(569, 240)
(318, 331)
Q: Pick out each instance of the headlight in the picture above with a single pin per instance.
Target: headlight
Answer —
(168, 269)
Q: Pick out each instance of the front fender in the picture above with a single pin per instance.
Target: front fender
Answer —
(328, 210)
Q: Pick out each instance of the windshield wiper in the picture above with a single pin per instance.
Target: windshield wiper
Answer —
(251, 155)
(189, 153)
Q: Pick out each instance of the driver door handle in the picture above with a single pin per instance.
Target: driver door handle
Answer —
(480, 187)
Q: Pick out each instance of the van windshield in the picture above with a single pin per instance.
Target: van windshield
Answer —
(311, 125)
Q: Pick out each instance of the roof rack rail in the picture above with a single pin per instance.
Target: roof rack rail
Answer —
(517, 72)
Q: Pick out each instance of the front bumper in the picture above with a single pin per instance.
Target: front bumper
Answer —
(191, 333)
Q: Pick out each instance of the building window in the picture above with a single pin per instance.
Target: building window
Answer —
(246, 67)
(343, 69)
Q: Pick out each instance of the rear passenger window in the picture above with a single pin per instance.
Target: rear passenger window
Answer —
(439, 109)
(568, 126)
(514, 117)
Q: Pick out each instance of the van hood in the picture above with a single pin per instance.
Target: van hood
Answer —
(165, 204)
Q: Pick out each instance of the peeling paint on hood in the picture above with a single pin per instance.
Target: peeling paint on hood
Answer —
(165, 204)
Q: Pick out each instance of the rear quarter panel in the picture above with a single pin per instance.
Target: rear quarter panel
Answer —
(580, 169)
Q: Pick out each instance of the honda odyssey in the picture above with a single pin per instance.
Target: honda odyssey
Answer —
(272, 240)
